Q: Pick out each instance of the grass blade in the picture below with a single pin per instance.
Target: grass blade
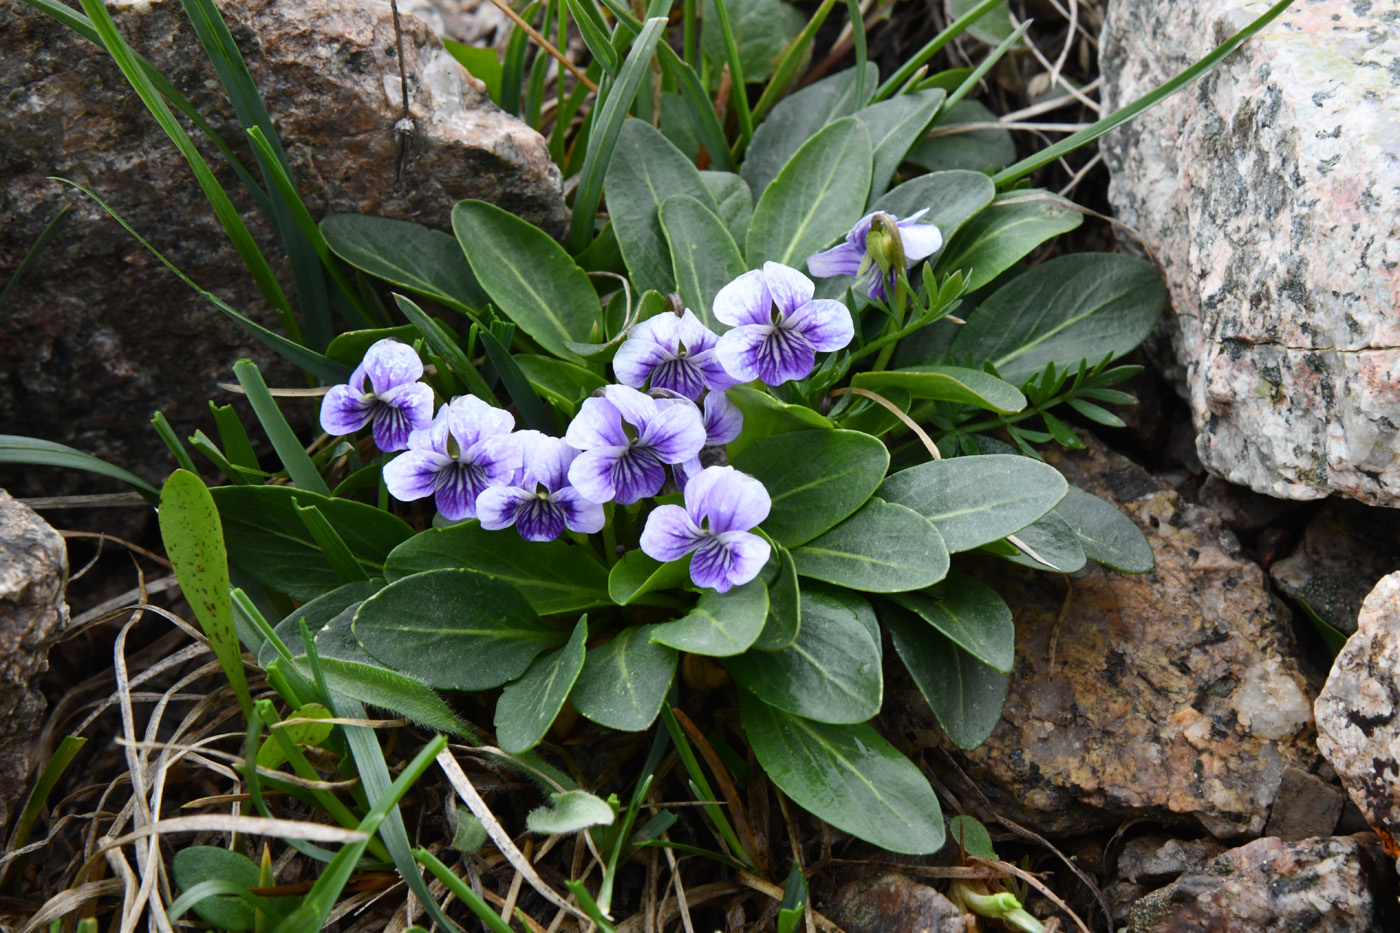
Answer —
(284, 441)
(792, 59)
(35, 452)
(595, 34)
(971, 80)
(462, 890)
(40, 242)
(234, 437)
(53, 770)
(329, 541)
(935, 45)
(738, 94)
(172, 441)
(1116, 119)
(457, 361)
(616, 100)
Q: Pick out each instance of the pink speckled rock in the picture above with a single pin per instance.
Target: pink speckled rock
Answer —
(1358, 713)
(1270, 192)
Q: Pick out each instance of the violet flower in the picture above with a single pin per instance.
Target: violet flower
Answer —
(778, 326)
(721, 505)
(627, 438)
(397, 404)
(539, 501)
(853, 257)
(677, 352)
(467, 448)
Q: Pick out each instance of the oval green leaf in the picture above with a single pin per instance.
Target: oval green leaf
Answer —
(815, 479)
(765, 416)
(1106, 534)
(882, 548)
(624, 682)
(704, 257)
(636, 574)
(1048, 543)
(784, 601)
(1081, 307)
(848, 776)
(409, 255)
(965, 695)
(951, 145)
(832, 671)
(816, 198)
(973, 501)
(721, 624)
(971, 614)
(993, 241)
(553, 576)
(948, 384)
(735, 201)
(895, 125)
(453, 629)
(529, 277)
(528, 706)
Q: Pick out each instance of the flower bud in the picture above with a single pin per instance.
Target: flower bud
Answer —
(884, 244)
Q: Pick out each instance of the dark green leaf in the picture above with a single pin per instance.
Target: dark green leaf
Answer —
(1049, 543)
(409, 255)
(636, 574)
(993, 241)
(765, 416)
(784, 601)
(624, 682)
(815, 479)
(848, 776)
(267, 539)
(34, 452)
(704, 258)
(528, 707)
(318, 613)
(971, 614)
(966, 695)
(816, 198)
(895, 125)
(971, 837)
(832, 671)
(991, 27)
(553, 576)
(564, 383)
(194, 864)
(721, 624)
(762, 29)
(799, 117)
(1106, 534)
(647, 169)
(735, 201)
(948, 384)
(950, 197)
(453, 629)
(975, 500)
(882, 548)
(531, 280)
(1083, 306)
(949, 146)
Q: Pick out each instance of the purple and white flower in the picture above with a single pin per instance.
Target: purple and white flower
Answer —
(396, 405)
(676, 352)
(721, 505)
(777, 325)
(627, 438)
(853, 257)
(539, 501)
(467, 448)
(723, 419)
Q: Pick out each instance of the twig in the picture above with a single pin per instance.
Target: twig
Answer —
(895, 410)
(545, 44)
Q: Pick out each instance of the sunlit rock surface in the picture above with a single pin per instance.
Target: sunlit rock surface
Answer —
(99, 334)
(1173, 696)
(33, 580)
(1270, 193)
(1358, 713)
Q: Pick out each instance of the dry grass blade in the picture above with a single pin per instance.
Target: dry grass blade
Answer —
(247, 825)
(776, 893)
(458, 779)
(65, 902)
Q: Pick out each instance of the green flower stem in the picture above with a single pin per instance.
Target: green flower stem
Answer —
(1003, 906)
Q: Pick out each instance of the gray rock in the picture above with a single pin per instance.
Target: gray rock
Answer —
(1270, 193)
(1304, 806)
(1327, 885)
(1153, 861)
(99, 335)
(1172, 696)
(895, 902)
(1346, 549)
(1358, 713)
(33, 578)
(471, 22)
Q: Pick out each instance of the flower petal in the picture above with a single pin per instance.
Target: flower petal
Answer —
(636, 474)
(413, 475)
(841, 259)
(693, 335)
(723, 419)
(497, 457)
(497, 505)
(729, 499)
(597, 424)
(727, 560)
(580, 514)
(825, 323)
(470, 419)
(635, 407)
(399, 412)
(790, 289)
(745, 300)
(637, 358)
(458, 488)
(345, 410)
(676, 431)
(920, 240)
(539, 520)
(592, 472)
(771, 354)
(390, 364)
(544, 460)
(681, 376)
(669, 534)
